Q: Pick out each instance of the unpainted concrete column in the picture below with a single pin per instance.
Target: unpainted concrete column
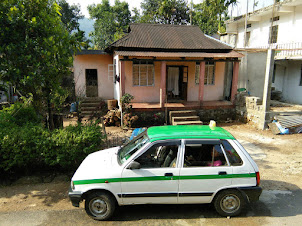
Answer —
(267, 88)
(202, 72)
(163, 84)
(122, 78)
(235, 81)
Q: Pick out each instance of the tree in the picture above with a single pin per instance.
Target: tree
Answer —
(35, 48)
(135, 17)
(165, 12)
(70, 16)
(210, 15)
(111, 22)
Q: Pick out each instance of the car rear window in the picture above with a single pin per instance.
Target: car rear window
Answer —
(203, 154)
(231, 154)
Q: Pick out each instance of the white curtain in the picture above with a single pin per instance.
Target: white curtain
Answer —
(173, 78)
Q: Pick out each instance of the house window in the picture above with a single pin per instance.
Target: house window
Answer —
(248, 25)
(273, 34)
(276, 18)
(209, 78)
(143, 73)
(247, 38)
(300, 84)
(274, 74)
(110, 72)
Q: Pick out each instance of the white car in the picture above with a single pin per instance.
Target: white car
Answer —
(168, 165)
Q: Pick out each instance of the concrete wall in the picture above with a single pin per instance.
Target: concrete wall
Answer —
(99, 62)
(291, 90)
(280, 72)
(289, 29)
(287, 76)
(152, 93)
(252, 73)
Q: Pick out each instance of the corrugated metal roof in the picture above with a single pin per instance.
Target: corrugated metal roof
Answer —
(163, 36)
(89, 52)
(232, 54)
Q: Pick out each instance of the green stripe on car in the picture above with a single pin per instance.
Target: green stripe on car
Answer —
(187, 177)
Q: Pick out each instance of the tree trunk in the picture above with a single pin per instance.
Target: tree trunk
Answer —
(50, 116)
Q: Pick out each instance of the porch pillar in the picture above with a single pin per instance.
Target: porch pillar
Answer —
(235, 81)
(122, 78)
(202, 72)
(162, 99)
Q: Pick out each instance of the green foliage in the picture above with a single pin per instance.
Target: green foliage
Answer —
(210, 15)
(165, 12)
(71, 145)
(36, 48)
(150, 119)
(70, 16)
(126, 102)
(30, 148)
(111, 22)
(19, 114)
(20, 147)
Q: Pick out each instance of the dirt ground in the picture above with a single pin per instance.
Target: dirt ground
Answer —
(279, 158)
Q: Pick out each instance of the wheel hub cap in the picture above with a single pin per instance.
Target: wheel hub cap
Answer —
(98, 206)
(230, 204)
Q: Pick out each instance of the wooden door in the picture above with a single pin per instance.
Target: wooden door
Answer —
(91, 83)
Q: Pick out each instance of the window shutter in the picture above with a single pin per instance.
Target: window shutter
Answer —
(110, 72)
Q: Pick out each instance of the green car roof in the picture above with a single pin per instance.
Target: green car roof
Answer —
(187, 132)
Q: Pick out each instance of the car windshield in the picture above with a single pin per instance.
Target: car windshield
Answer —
(130, 148)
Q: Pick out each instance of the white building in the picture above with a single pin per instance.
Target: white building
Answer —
(278, 27)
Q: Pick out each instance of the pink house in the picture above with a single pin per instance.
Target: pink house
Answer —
(173, 66)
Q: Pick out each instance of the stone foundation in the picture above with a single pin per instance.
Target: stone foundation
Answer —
(250, 109)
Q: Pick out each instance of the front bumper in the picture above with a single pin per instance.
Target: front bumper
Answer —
(253, 193)
(75, 197)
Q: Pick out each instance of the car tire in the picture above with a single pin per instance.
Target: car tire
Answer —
(100, 205)
(229, 203)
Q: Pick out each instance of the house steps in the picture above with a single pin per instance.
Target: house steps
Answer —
(183, 113)
(187, 117)
(89, 106)
(188, 123)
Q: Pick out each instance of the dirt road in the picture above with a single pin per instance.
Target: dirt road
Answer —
(278, 157)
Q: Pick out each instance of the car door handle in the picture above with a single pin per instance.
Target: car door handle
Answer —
(222, 173)
(168, 174)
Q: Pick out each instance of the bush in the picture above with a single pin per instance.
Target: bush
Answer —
(31, 148)
(19, 114)
(71, 145)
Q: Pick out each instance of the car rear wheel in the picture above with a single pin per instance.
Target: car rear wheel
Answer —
(100, 205)
(229, 203)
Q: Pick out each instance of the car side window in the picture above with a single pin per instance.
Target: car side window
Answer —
(198, 154)
(159, 155)
(231, 154)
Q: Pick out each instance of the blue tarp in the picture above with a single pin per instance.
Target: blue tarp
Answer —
(136, 132)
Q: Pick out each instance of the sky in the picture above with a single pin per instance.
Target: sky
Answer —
(238, 10)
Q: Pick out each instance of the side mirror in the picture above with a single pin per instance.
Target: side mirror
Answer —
(134, 165)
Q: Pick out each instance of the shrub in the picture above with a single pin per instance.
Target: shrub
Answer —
(31, 148)
(71, 145)
(126, 102)
(19, 114)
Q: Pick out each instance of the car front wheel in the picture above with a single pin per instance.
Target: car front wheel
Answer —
(100, 205)
(229, 203)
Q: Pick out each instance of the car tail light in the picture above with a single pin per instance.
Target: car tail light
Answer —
(258, 178)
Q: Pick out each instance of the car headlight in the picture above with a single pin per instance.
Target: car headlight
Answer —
(72, 185)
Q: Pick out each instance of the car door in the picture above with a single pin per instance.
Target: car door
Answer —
(204, 171)
(156, 181)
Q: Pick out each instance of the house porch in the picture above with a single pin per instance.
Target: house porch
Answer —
(185, 105)
(193, 92)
